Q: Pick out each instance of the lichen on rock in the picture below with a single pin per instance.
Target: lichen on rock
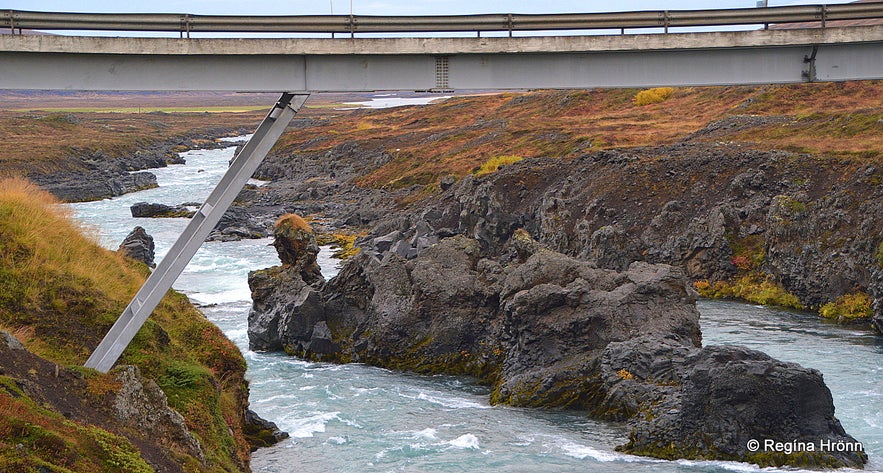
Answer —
(142, 405)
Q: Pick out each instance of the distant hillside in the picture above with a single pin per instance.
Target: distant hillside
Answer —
(422, 144)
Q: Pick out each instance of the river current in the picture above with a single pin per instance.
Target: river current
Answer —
(354, 418)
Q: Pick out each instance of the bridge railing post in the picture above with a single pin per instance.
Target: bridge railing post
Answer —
(171, 266)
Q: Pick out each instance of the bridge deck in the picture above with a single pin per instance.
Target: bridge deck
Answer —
(367, 64)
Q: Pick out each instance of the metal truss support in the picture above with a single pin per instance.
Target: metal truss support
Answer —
(171, 266)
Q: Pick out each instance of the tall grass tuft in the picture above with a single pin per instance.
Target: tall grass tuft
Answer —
(39, 239)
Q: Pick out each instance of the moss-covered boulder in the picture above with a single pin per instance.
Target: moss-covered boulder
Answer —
(296, 245)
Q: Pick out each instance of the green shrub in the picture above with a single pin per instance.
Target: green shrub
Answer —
(751, 287)
(654, 95)
(848, 307)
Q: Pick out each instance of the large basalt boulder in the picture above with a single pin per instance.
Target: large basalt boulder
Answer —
(563, 313)
(715, 401)
(261, 432)
(286, 302)
(279, 302)
(139, 245)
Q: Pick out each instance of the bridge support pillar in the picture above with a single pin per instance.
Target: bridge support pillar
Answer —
(171, 266)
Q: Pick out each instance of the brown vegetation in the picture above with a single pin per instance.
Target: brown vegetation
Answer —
(456, 136)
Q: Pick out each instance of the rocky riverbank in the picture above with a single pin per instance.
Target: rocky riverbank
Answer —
(571, 282)
(89, 174)
(177, 399)
(548, 330)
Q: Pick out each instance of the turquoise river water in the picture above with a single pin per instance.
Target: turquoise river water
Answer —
(355, 418)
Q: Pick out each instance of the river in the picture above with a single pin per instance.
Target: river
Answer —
(354, 418)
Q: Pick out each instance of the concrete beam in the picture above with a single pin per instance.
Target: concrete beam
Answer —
(317, 65)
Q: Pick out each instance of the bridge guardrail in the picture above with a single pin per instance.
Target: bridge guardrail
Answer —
(352, 24)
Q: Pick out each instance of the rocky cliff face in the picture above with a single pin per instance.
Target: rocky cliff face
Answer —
(548, 330)
(811, 225)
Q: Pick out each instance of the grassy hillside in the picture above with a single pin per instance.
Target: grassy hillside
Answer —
(59, 294)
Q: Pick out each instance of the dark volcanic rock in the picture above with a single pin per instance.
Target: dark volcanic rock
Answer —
(148, 210)
(877, 323)
(548, 330)
(93, 175)
(810, 225)
(285, 310)
(738, 394)
(139, 245)
(260, 432)
(286, 306)
(595, 311)
(94, 186)
(238, 223)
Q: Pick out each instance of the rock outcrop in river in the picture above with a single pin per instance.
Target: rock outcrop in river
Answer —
(138, 245)
(548, 330)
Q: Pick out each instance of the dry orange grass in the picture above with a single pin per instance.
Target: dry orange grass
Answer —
(293, 221)
(32, 219)
(40, 140)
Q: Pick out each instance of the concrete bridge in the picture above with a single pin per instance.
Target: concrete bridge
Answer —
(297, 66)
(760, 56)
